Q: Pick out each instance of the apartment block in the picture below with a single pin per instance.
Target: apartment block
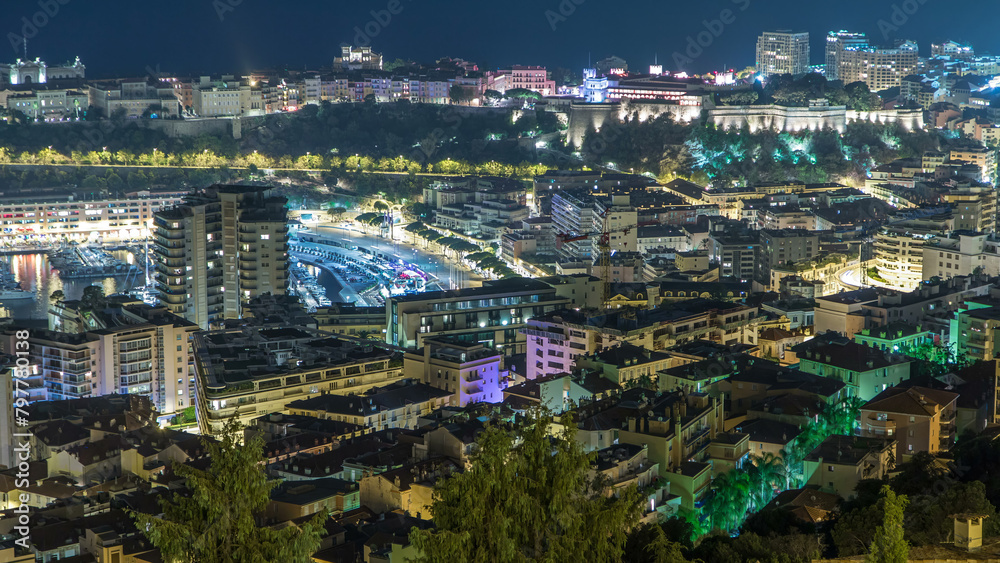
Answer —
(782, 52)
(251, 372)
(841, 462)
(351, 320)
(961, 254)
(879, 68)
(866, 371)
(785, 247)
(677, 436)
(573, 217)
(983, 157)
(400, 404)
(533, 78)
(975, 335)
(836, 43)
(129, 348)
(225, 97)
(80, 216)
(735, 254)
(919, 419)
(472, 373)
(555, 341)
(492, 314)
(899, 254)
(222, 247)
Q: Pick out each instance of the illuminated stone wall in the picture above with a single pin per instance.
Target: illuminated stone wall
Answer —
(790, 119)
(582, 117)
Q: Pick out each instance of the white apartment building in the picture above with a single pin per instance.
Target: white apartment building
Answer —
(486, 218)
(133, 350)
(880, 69)
(573, 215)
(961, 255)
(227, 97)
(471, 373)
(222, 247)
(251, 372)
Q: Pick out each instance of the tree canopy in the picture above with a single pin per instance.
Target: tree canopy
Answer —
(216, 519)
(889, 544)
(530, 496)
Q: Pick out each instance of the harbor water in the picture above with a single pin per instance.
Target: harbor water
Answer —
(35, 274)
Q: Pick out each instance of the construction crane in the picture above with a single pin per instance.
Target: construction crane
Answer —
(603, 247)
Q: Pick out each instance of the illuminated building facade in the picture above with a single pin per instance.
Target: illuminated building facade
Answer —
(836, 42)
(782, 52)
(223, 246)
(25, 72)
(80, 217)
(492, 314)
(880, 69)
(134, 350)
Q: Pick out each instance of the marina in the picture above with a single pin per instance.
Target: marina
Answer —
(10, 288)
(89, 262)
(307, 286)
(39, 280)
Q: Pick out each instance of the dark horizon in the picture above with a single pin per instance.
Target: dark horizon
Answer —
(215, 36)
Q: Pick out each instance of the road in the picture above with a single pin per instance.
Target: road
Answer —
(443, 273)
(849, 277)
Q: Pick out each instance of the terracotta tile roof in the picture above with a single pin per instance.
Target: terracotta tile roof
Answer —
(920, 401)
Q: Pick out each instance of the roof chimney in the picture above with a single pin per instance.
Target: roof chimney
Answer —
(969, 531)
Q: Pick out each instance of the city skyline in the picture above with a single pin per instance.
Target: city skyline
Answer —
(269, 294)
(242, 35)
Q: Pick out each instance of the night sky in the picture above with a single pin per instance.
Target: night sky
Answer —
(125, 37)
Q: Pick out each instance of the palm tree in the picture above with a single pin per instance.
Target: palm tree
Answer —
(368, 335)
(772, 471)
(731, 499)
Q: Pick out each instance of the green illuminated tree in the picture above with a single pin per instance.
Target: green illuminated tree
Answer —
(530, 496)
(889, 544)
(217, 521)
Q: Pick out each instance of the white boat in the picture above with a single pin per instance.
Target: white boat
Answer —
(13, 294)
